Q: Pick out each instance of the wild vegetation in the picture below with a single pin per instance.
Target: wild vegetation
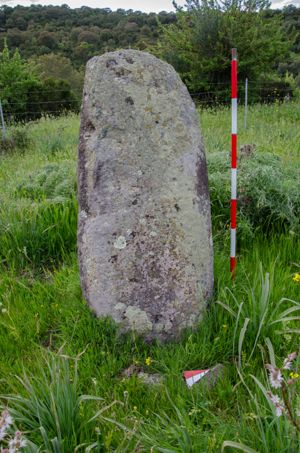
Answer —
(43, 50)
(62, 372)
(69, 381)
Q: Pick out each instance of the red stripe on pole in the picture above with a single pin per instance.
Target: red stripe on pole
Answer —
(233, 213)
(233, 150)
(232, 264)
(234, 79)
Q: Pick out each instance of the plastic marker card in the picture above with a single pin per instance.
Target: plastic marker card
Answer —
(191, 377)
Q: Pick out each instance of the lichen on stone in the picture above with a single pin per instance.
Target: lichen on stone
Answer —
(120, 243)
(138, 320)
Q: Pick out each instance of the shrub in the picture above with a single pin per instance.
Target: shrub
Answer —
(54, 181)
(268, 193)
(17, 140)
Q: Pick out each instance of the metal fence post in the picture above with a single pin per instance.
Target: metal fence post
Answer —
(2, 122)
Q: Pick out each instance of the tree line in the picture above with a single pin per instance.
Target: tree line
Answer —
(43, 49)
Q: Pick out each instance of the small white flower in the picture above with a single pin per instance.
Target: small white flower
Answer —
(5, 420)
(279, 407)
(288, 361)
(2, 433)
(16, 443)
(4, 310)
(274, 398)
(23, 443)
(279, 410)
(275, 376)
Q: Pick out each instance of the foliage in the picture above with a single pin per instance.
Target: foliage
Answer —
(17, 140)
(59, 40)
(54, 413)
(50, 97)
(25, 96)
(16, 79)
(43, 313)
(38, 221)
(256, 319)
(13, 440)
(199, 44)
(77, 34)
(276, 419)
(38, 235)
(54, 181)
(268, 192)
(58, 67)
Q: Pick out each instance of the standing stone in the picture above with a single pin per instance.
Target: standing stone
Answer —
(144, 234)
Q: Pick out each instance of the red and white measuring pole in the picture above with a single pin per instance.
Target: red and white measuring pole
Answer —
(234, 94)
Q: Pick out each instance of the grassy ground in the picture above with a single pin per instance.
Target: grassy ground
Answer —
(46, 330)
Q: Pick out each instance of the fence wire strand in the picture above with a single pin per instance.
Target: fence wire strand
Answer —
(203, 98)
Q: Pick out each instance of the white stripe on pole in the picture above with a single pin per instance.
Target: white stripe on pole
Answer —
(232, 242)
(234, 115)
(233, 183)
(246, 104)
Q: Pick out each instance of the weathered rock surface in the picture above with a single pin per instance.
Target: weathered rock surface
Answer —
(144, 234)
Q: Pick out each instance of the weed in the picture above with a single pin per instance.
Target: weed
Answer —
(42, 309)
(16, 140)
(268, 194)
(37, 235)
(55, 416)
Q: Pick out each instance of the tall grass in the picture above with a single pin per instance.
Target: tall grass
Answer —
(37, 235)
(42, 310)
(52, 411)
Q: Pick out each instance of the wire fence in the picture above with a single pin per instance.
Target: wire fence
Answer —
(216, 95)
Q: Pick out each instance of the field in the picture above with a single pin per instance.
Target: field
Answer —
(62, 370)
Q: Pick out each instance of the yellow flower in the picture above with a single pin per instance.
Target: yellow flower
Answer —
(294, 375)
(148, 361)
(135, 408)
(296, 278)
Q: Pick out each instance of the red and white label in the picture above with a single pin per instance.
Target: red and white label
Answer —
(191, 377)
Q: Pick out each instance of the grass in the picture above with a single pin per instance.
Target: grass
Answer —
(45, 326)
(272, 128)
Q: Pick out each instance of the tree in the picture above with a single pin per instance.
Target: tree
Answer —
(25, 96)
(16, 80)
(59, 67)
(47, 39)
(200, 43)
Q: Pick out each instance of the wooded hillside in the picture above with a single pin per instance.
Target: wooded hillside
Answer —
(77, 33)
(43, 50)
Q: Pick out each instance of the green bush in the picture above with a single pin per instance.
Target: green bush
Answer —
(16, 140)
(54, 181)
(268, 193)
